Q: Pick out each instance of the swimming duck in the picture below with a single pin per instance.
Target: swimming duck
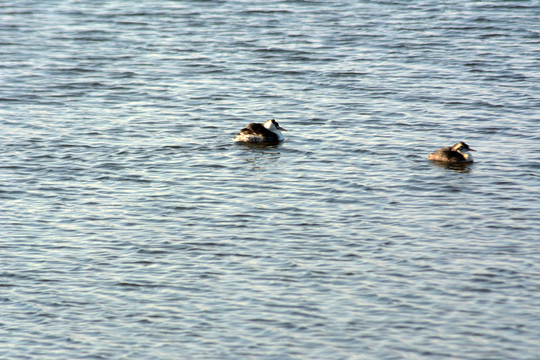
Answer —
(261, 133)
(458, 153)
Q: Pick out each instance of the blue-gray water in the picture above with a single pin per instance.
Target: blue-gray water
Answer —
(133, 228)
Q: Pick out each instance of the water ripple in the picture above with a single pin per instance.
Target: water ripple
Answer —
(133, 227)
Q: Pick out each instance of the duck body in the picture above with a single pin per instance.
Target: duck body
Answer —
(269, 132)
(458, 153)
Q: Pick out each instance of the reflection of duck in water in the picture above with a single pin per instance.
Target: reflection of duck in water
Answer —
(459, 153)
(462, 167)
(261, 133)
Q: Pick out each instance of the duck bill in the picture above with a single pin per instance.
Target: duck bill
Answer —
(471, 149)
(280, 128)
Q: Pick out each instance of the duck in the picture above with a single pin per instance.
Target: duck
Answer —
(458, 153)
(268, 132)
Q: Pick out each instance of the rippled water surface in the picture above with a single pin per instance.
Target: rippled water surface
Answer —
(133, 228)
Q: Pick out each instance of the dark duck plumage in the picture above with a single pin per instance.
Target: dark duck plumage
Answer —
(260, 133)
(458, 153)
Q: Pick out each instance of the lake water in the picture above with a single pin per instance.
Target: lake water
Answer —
(132, 227)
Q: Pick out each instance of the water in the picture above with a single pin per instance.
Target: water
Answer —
(133, 228)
